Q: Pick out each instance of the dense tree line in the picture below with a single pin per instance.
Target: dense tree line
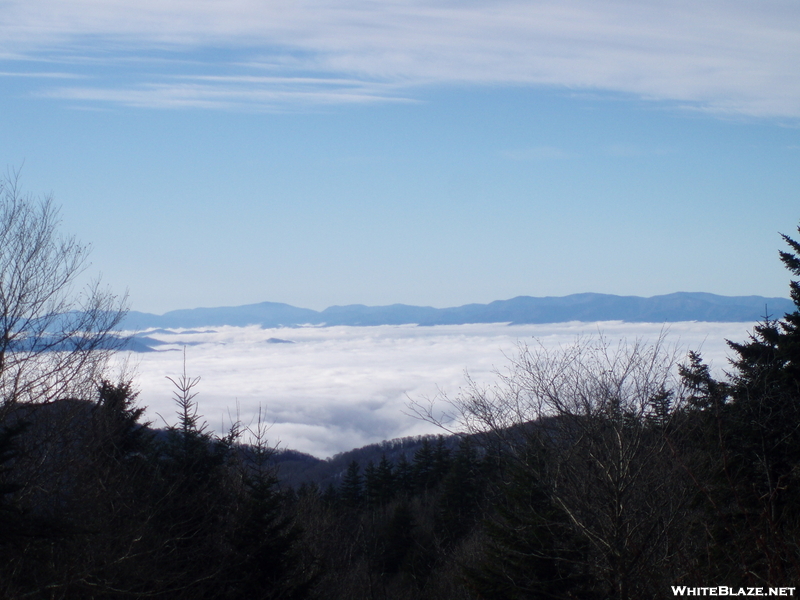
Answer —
(598, 471)
(96, 505)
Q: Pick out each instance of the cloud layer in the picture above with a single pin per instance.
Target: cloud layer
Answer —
(725, 56)
(338, 388)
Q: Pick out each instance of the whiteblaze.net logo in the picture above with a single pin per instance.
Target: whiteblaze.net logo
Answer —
(724, 590)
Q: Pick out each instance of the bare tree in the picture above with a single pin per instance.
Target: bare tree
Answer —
(54, 340)
(593, 426)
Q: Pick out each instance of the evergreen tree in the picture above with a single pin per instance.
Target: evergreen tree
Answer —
(398, 539)
(458, 507)
(532, 552)
(116, 420)
(195, 492)
(371, 492)
(266, 562)
(705, 394)
(424, 467)
(351, 488)
(441, 458)
(329, 496)
(404, 477)
(764, 429)
(752, 431)
(384, 481)
(661, 405)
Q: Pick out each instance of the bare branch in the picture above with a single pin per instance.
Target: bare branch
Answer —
(54, 341)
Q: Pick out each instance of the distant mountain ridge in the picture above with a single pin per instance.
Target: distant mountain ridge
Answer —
(588, 307)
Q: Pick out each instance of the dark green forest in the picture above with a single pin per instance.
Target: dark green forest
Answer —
(600, 471)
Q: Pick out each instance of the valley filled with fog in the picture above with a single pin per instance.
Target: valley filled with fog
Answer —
(325, 390)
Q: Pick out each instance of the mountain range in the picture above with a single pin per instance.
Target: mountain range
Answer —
(680, 306)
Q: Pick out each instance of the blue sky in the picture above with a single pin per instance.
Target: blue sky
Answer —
(419, 151)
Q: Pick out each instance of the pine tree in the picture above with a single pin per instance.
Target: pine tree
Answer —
(351, 489)
(398, 541)
(661, 405)
(704, 392)
(116, 420)
(194, 494)
(532, 552)
(751, 430)
(765, 415)
(424, 467)
(371, 492)
(404, 476)
(441, 458)
(458, 507)
(385, 480)
(790, 340)
(266, 562)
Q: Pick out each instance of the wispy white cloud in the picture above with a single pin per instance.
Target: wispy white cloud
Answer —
(33, 74)
(227, 92)
(342, 387)
(728, 56)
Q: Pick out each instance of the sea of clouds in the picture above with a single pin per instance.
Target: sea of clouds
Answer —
(337, 388)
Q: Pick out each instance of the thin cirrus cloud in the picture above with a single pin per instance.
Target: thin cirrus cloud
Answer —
(731, 57)
(40, 75)
(258, 93)
(337, 388)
